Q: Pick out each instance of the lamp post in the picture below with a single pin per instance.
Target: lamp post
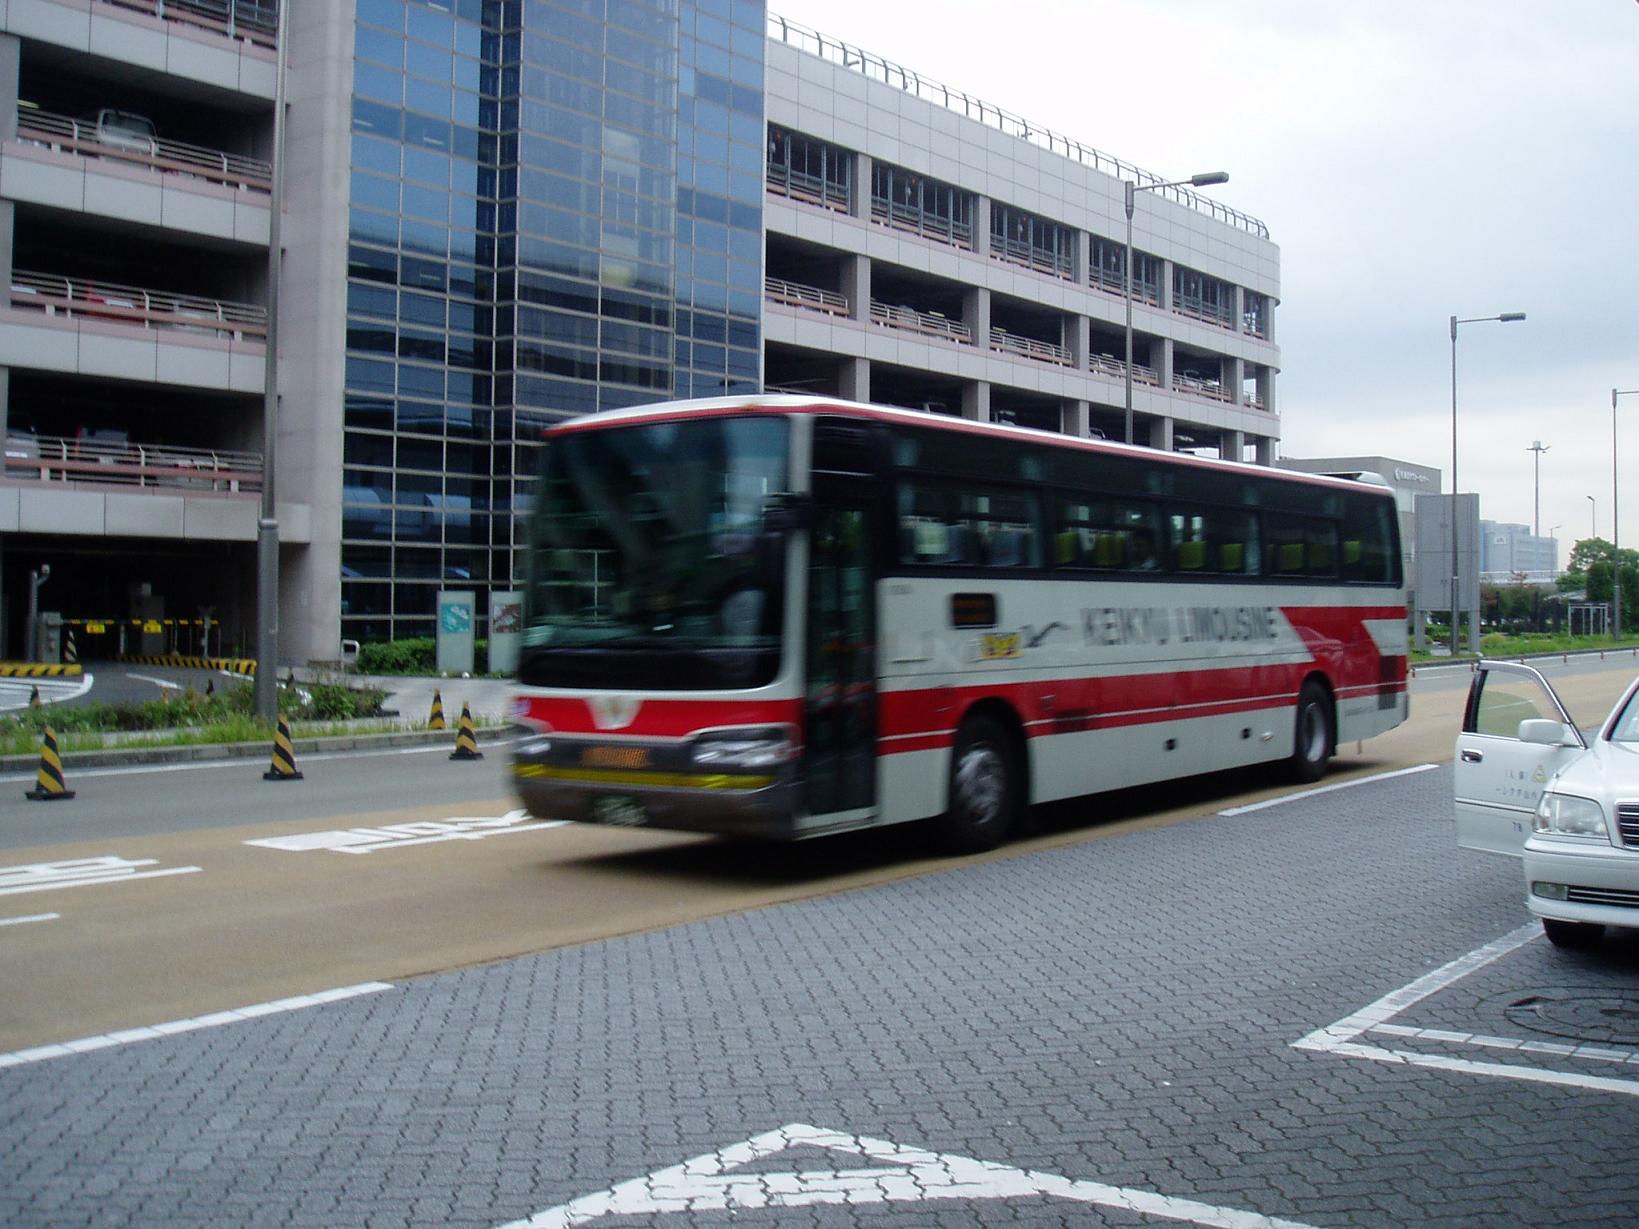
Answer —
(1616, 523)
(265, 696)
(1203, 180)
(1538, 447)
(1593, 517)
(1505, 318)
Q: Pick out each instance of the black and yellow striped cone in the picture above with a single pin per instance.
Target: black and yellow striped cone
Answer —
(50, 781)
(284, 756)
(34, 696)
(71, 654)
(435, 719)
(466, 742)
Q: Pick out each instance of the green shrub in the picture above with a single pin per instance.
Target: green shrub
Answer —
(411, 656)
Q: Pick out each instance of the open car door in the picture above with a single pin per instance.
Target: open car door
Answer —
(1499, 775)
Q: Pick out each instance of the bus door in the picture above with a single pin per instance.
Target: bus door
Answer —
(840, 701)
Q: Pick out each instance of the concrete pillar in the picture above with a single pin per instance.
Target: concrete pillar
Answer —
(1079, 265)
(854, 379)
(1265, 445)
(10, 55)
(1161, 360)
(1076, 418)
(976, 315)
(1232, 445)
(1266, 388)
(856, 284)
(1077, 331)
(981, 225)
(1234, 378)
(859, 200)
(976, 401)
(1160, 434)
(1237, 308)
(1164, 288)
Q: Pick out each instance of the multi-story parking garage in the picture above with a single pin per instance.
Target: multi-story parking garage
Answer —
(499, 213)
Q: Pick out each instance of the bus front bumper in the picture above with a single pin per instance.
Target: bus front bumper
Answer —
(633, 785)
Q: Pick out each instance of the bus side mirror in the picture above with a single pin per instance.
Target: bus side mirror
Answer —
(787, 510)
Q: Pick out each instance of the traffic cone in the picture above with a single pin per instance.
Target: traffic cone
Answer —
(71, 654)
(34, 696)
(466, 742)
(283, 767)
(49, 786)
(210, 688)
(435, 719)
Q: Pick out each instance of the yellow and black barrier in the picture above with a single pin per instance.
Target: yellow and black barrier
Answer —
(435, 719)
(283, 767)
(466, 739)
(233, 665)
(39, 670)
(49, 785)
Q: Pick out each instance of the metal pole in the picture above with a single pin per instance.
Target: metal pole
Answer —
(1127, 294)
(1616, 522)
(1454, 563)
(266, 697)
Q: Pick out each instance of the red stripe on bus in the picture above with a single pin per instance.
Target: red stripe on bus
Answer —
(657, 718)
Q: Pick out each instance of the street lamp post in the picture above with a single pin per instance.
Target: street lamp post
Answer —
(1593, 517)
(1203, 180)
(1538, 447)
(1505, 318)
(265, 697)
(1616, 522)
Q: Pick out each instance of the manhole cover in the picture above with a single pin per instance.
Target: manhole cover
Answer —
(1596, 1016)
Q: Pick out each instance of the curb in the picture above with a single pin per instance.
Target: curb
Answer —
(116, 757)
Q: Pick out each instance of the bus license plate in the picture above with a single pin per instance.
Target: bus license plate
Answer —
(618, 810)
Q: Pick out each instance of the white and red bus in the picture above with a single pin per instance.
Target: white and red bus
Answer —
(786, 617)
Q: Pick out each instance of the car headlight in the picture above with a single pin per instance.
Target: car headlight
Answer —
(1568, 815)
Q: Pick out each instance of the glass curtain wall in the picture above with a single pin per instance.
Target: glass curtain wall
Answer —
(555, 208)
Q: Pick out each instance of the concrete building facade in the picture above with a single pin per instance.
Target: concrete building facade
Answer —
(499, 213)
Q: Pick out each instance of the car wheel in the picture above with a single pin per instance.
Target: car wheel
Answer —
(984, 791)
(1312, 743)
(1572, 934)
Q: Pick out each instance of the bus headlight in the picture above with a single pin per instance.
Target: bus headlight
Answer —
(1568, 815)
(743, 750)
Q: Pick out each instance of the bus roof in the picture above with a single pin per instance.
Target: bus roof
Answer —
(786, 403)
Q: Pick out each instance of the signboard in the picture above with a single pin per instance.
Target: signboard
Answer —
(455, 631)
(506, 629)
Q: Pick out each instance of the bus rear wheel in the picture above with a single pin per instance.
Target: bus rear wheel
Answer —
(985, 788)
(1313, 741)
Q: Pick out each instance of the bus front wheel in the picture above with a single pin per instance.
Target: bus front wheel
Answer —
(1312, 746)
(984, 788)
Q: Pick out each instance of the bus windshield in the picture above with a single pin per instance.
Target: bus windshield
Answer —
(649, 564)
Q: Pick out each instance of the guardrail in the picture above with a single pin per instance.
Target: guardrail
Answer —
(810, 189)
(1199, 387)
(55, 295)
(83, 137)
(1029, 347)
(953, 231)
(811, 298)
(52, 458)
(930, 324)
(1196, 309)
(1109, 365)
(253, 21)
(886, 71)
(1019, 252)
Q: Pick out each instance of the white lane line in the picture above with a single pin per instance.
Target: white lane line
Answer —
(161, 683)
(1327, 789)
(1593, 1053)
(33, 917)
(82, 873)
(1340, 1038)
(399, 836)
(215, 1019)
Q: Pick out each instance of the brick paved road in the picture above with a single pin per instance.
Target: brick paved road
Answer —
(1121, 1012)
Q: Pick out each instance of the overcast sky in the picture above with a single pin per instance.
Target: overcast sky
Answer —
(1413, 159)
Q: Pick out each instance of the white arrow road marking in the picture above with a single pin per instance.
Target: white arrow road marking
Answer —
(82, 873)
(903, 1175)
(398, 836)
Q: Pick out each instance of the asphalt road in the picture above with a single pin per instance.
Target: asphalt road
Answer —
(1225, 1005)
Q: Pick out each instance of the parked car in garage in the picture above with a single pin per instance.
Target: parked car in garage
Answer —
(1529, 783)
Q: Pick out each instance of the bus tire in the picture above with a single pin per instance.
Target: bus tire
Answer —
(985, 787)
(1314, 735)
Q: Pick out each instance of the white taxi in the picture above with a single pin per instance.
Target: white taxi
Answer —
(1531, 785)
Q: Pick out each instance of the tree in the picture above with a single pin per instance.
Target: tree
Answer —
(1588, 551)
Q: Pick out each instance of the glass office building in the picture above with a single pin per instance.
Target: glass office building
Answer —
(555, 208)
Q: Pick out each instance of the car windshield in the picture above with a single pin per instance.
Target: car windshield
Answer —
(650, 538)
(1625, 729)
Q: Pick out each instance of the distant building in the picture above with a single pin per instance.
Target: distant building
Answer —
(1507, 551)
